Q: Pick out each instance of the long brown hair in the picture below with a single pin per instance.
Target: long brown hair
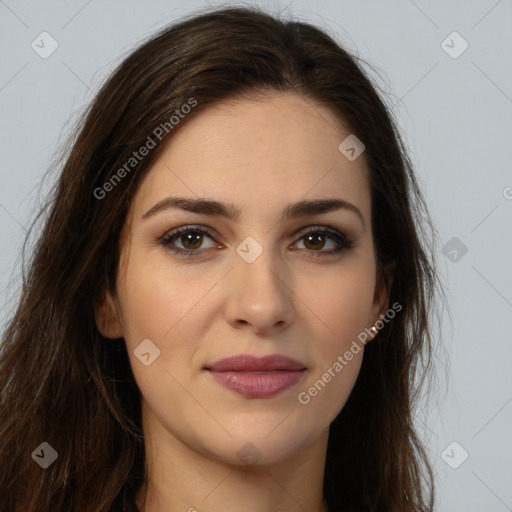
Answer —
(64, 384)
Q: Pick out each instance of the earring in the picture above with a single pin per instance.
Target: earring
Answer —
(374, 330)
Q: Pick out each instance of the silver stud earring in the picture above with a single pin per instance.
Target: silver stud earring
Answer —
(374, 330)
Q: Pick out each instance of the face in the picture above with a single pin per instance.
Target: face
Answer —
(256, 282)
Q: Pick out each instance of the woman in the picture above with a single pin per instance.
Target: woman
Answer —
(230, 298)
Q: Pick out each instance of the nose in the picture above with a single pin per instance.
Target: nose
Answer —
(260, 295)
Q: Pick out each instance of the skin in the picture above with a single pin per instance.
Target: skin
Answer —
(260, 154)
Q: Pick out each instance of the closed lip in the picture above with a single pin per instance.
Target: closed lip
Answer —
(249, 363)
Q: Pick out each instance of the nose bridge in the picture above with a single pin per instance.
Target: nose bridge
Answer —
(258, 267)
(259, 292)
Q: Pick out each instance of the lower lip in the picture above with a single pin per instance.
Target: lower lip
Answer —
(258, 385)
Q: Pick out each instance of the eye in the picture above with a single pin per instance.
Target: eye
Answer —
(314, 240)
(190, 237)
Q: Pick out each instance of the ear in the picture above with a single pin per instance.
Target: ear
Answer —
(107, 317)
(381, 296)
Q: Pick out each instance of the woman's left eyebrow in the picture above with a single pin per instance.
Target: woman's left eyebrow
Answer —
(230, 211)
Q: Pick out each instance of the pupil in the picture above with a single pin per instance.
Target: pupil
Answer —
(312, 237)
(189, 239)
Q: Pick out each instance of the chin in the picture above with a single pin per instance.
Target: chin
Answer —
(258, 448)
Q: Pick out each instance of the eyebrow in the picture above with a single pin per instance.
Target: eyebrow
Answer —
(230, 211)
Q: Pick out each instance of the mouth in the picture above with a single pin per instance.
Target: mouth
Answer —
(255, 377)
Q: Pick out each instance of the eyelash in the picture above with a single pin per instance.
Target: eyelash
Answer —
(343, 242)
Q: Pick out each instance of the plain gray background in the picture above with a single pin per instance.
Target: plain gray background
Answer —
(455, 112)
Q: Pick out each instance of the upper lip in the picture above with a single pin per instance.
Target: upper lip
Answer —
(248, 363)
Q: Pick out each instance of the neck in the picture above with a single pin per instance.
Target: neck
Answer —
(181, 479)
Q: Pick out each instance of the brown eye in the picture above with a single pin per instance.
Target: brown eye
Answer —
(314, 242)
(191, 239)
(316, 239)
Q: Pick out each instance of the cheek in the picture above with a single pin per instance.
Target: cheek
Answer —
(157, 299)
(159, 306)
(343, 301)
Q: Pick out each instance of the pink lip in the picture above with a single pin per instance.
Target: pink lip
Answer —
(256, 377)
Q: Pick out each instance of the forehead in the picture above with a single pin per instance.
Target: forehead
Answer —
(257, 152)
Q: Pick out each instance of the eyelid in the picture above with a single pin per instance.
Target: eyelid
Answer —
(318, 227)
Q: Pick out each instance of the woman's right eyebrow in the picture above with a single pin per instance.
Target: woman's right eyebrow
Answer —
(230, 211)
